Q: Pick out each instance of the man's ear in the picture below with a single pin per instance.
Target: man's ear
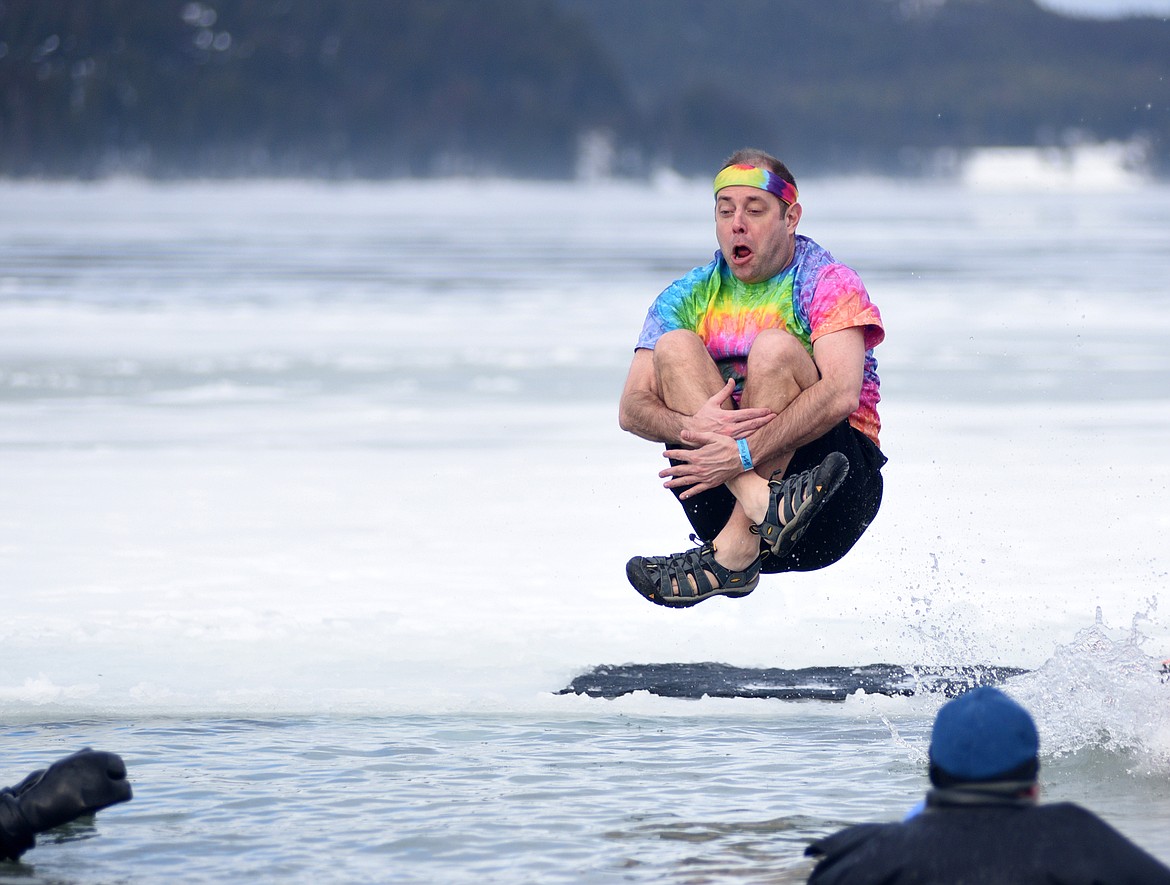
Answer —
(792, 217)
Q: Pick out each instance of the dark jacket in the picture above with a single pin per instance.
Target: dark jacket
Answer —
(967, 842)
(16, 836)
(82, 783)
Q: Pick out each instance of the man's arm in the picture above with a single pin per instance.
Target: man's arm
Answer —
(641, 410)
(643, 413)
(840, 359)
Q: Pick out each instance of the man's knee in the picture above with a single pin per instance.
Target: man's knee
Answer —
(682, 353)
(679, 344)
(777, 349)
(778, 369)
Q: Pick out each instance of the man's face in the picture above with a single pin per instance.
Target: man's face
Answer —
(756, 231)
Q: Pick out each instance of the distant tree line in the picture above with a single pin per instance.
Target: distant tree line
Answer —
(881, 84)
(362, 87)
(538, 87)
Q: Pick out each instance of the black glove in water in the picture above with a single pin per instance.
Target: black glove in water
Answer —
(83, 783)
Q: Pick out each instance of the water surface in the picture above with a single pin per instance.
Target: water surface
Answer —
(312, 497)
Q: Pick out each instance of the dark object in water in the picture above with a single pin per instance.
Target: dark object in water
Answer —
(78, 785)
(806, 684)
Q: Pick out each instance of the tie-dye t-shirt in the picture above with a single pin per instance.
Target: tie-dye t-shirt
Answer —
(811, 297)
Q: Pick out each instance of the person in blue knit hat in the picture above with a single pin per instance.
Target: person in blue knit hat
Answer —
(981, 822)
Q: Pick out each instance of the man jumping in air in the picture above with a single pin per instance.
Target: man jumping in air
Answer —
(757, 372)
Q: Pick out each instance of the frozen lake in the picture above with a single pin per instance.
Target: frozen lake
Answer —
(312, 496)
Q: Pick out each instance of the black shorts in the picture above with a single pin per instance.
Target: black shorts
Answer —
(837, 527)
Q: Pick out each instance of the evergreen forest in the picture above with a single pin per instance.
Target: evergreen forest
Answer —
(549, 88)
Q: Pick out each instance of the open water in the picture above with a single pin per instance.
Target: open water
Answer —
(312, 497)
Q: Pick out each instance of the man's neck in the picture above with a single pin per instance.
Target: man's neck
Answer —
(1000, 793)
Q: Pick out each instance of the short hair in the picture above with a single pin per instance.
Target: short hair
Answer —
(756, 157)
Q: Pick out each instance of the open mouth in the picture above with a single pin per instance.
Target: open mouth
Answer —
(741, 253)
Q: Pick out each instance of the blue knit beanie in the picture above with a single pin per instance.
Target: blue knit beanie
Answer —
(982, 735)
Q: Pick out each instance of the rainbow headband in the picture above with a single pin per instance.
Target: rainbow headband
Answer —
(753, 176)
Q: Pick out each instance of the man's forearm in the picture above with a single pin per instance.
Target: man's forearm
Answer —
(645, 415)
(810, 416)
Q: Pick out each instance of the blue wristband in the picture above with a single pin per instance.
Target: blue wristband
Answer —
(745, 457)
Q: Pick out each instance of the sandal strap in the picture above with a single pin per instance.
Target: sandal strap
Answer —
(804, 491)
(672, 573)
(794, 491)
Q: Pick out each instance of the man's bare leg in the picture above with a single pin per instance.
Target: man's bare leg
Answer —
(687, 379)
(687, 376)
(779, 368)
(779, 371)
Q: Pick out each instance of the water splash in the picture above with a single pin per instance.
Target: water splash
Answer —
(1102, 692)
